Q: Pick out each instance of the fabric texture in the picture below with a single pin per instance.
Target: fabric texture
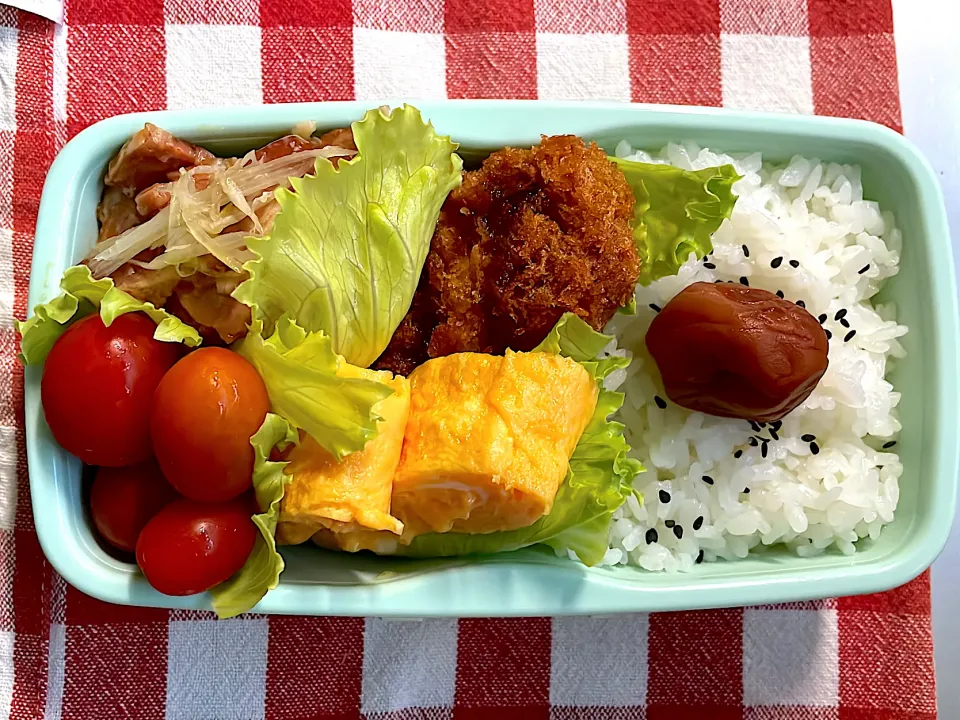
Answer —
(64, 655)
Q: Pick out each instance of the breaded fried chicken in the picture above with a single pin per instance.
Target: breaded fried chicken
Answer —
(531, 235)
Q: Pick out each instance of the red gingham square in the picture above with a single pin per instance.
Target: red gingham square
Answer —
(912, 598)
(114, 666)
(508, 69)
(668, 17)
(307, 64)
(114, 12)
(503, 664)
(307, 13)
(477, 16)
(678, 69)
(314, 668)
(856, 76)
(840, 18)
(106, 79)
(886, 662)
(696, 661)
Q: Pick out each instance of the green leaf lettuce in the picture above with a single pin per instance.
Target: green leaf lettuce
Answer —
(598, 480)
(299, 370)
(676, 213)
(345, 254)
(261, 572)
(82, 296)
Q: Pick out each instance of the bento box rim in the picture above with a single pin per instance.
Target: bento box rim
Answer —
(590, 593)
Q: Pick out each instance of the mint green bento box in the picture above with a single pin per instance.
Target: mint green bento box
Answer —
(534, 582)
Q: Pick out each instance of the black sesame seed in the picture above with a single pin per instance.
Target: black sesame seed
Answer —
(780, 294)
(762, 424)
(808, 437)
(718, 281)
(744, 281)
(775, 263)
(746, 491)
(794, 263)
(708, 480)
(738, 454)
(862, 270)
(753, 442)
(669, 523)
(710, 266)
(801, 303)
(777, 425)
(652, 536)
(773, 434)
(754, 426)
(763, 450)
(699, 558)
(678, 531)
(746, 250)
(845, 322)
(814, 448)
(654, 307)
(890, 444)
(822, 318)
(849, 336)
(828, 333)
(840, 313)
(661, 403)
(698, 523)
(664, 496)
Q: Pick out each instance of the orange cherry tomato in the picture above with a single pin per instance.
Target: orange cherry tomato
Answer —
(204, 412)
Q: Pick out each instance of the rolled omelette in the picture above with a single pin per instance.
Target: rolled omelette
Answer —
(353, 493)
(488, 440)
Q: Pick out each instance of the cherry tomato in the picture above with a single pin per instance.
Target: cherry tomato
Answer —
(98, 384)
(204, 412)
(188, 547)
(123, 500)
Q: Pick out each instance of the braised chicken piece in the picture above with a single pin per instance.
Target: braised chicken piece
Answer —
(116, 213)
(529, 236)
(149, 157)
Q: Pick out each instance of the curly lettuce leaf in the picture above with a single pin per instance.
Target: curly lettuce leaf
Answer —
(676, 213)
(261, 572)
(598, 480)
(345, 253)
(82, 296)
(299, 370)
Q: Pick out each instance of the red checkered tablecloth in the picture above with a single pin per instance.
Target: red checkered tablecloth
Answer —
(63, 655)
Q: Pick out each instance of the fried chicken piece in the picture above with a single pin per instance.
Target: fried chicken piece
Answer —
(152, 286)
(149, 157)
(529, 236)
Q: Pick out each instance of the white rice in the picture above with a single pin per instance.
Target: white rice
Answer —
(811, 212)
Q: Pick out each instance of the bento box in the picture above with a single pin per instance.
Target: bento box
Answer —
(533, 581)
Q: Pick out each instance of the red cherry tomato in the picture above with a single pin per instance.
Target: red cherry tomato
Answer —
(123, 500)
(188, 547)
(204, 412)
(98, 384)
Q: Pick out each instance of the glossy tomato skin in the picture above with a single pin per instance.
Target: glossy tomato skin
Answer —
(97, 388)
(188, 547)
(204, 412)
(123, 500)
